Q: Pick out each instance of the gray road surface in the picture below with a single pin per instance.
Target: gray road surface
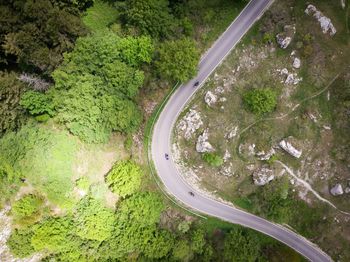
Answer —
(161, 144)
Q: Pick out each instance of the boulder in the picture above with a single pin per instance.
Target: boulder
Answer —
(266, 156)
(227, 155)
(296, 63)
(325, 23)
(210, 98)
(285, 38)
(202, 144)
(262, 176)
(190, 123)
(232, 133)
(337, 190)
(286, 146)
(292, 79)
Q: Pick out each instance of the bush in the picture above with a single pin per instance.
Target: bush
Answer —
(93, 220)
(20, 242)
(213, 159)
(260, 101)
(37, 103)
(125, 178)
(26, 206)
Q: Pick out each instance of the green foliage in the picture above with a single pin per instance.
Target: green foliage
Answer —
(34, 45)
(158, 245)
(37, 103)
(44, 157)
(276, 202)
(142, 209)
(213, 159)
(19, 242)
(182, 251)
(12, 115)
(150, 17)
(83, 183)
(260, 101)
(125, 178)
(184, 226)
(97, 83)
(26, 206)
(93, 221)
(198, 241)
(9, 180)
(178, 60)
(241, 246)
(52, 234)
(100, 16)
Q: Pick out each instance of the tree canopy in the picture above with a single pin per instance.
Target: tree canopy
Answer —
(125, 178)
(260, 101)
(37, 33)
(178, 60)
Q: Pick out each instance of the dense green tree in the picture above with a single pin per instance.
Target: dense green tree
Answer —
(19, 242)
(148, 16)
(198, 241)
(125, 178)
(52, 234)
(93, 221)
(182, 251)
(241, 246)
(260, 101)
(95, 86)
(158, 244)
(12, 115)
(37, 103)
(178, 60)
(37, 33)
(142, 209)
(26, 206)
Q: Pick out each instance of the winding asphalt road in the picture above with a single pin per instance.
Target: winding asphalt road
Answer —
(161, 144)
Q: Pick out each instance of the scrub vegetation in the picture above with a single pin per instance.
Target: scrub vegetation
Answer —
(77, 83)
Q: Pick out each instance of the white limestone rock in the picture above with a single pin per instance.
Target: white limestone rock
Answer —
(266, 156)
(202, 144)
(325, 23)
(227, 156)
(285, 38)
(232, 133)
(293, 79)
(337, 190)
(210, 98)
(190, 123)
(227, 170)
(286, 146)
(296, 63)
(347, 190)
(262, 176)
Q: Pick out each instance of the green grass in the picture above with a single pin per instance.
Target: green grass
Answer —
(100, 16)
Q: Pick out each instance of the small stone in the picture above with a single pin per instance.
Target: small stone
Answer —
(347, 190)
(210, 98)
(296, 63)
(262, 176)
(337, 190)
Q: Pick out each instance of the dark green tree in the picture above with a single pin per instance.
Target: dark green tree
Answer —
(178, 60)
(260, 101)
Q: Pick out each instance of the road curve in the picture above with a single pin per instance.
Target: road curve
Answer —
(161, 144)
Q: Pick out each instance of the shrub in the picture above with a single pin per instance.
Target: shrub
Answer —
(37, 103)
(213, 159)
(19, 242)
(260, 101)
(93, 221)
(125, 178)
(26, 206)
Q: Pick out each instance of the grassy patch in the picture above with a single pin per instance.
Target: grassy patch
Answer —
(100, 16)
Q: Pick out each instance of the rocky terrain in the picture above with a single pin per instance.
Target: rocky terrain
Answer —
(304, 59)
